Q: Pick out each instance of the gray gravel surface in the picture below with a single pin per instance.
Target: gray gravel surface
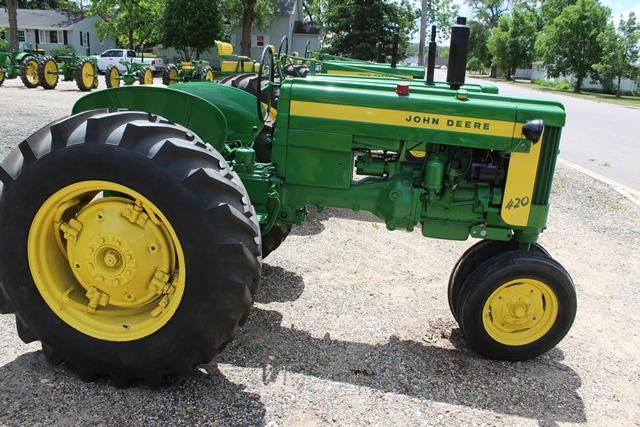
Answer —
(352, 327)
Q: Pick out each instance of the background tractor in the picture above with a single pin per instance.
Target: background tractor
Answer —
(23, 64)
(134, 71)
(84, 70)
(187, 71)
(133, 231)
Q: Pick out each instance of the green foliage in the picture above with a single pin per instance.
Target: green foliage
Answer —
(353, 27)
(488, 12)
(560, 84)
(550, 9)
(191, 27)
(571, 43)
(511, 43)
(61, 51)
(479, 57)
(621, 51)
(133, 23)
(70, 5)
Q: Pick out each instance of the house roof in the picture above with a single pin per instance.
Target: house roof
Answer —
(37, 18)
(285, 7)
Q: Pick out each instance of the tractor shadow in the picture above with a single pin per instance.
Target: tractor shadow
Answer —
(314, 222)
(33, 392)
(543, 389)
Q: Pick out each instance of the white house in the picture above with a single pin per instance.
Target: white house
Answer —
(287, 21)
(49, 29)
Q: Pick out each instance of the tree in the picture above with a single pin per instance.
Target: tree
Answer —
(440, 13)
(130, 22)
(571, 43)
(70, 5)
(487, 13)
(247, 14)
(620, 51)
(191, 27)
(353, 27)
(479, 57)
(11, 7)
(512, 42)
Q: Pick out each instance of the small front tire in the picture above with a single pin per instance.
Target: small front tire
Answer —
(521, 305)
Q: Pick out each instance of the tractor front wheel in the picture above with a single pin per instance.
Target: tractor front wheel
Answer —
(207, 74)
(112, 76)
(130, 249)
(170, 75)
(85, 76)
(520, 305)
(146, 76)
(29, 72)
(472, 258)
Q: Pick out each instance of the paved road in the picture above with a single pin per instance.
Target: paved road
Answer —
(600, 137)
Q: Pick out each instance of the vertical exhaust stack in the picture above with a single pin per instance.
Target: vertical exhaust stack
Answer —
(431, 56)
(394, 50)
(458, 50)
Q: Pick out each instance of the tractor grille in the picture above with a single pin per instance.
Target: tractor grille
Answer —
(547, 165)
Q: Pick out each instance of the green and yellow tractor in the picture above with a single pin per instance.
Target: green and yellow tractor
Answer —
(81, 69)
(24, 64)
(187, 71)
(133, 72)
(132, 232)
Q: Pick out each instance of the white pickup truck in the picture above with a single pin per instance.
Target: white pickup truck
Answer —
(114, 56)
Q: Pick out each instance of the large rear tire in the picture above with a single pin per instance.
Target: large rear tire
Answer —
(48, 72)
(170, 75)
(146, 76)
(112, 76)
(85, 76)
(80, 200)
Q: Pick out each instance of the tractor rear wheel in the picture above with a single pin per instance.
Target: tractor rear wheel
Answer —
(146, 76)
(29, 72)
(84, 75)
(112, 76)
(521, 305)
(472, 258)
(130, 249)
(170, 75)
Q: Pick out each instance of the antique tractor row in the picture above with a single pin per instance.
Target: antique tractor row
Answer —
(21, 64)
(134, 72)
(191, 71)
(132, 233)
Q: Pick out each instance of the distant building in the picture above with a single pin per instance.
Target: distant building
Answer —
(287, 21)
(50, 29)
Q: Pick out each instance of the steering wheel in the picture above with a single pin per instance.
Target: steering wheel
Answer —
(267, 62)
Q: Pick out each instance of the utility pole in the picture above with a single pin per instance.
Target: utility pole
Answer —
(423, 32)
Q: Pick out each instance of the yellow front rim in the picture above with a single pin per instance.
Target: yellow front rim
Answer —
(32, 72)
(209, 76)
(114, 77)
(87, 75)
(173, 76)
(106, 261)
(520, 312)
(148, 77)
(1, 76)
(51, 72)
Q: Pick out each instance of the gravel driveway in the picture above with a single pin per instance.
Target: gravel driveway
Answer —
(352, 327)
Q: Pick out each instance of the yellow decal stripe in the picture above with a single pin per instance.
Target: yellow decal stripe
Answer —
(521, 178)
(320, 110)
(365, 73)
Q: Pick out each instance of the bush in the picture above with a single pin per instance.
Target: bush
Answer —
(61, 51)
(561, 85)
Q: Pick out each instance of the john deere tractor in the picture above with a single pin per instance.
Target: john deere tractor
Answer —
(22, 64)
(132, 232)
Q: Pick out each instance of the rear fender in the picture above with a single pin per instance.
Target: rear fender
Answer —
(186, 109)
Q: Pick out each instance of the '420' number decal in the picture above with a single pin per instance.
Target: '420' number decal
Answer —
(518, 202)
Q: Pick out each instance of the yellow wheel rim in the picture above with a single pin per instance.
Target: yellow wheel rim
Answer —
(51, 72)
(106, 261)
(1, 75)
(209, 76)
(520, 312)
(114, 77)
(87, 75)
(173, 76)
(32, 72)
(148, 77)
